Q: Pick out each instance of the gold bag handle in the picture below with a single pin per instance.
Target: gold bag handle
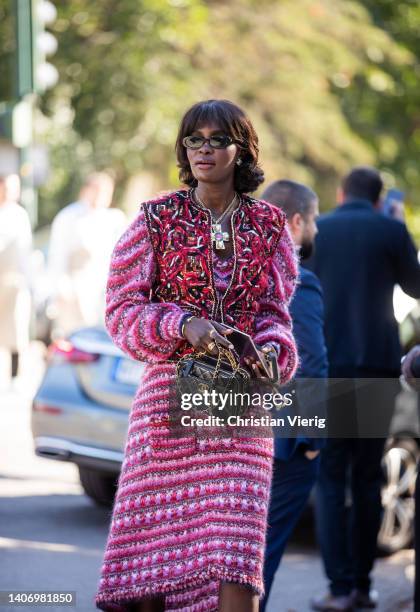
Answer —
(222, 352)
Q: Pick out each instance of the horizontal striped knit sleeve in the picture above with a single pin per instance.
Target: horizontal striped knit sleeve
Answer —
(273, 322)
(146, 330)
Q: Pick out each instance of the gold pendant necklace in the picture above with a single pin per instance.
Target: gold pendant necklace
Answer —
(218, 236)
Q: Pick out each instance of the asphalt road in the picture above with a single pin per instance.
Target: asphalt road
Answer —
(52, 537)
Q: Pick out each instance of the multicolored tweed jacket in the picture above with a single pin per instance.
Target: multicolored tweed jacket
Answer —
(162, 268)
(180, 234)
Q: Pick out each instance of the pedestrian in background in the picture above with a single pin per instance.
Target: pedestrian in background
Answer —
(296, 460)
(83, 235)
(15, 250)
(360, 256)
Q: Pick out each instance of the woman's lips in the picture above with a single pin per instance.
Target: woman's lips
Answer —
(204, 165)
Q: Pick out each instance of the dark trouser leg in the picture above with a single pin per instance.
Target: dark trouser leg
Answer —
(366, 510)
(15, 363)
(290, 488)
(332, 516)
(417, 543)
(375, 407)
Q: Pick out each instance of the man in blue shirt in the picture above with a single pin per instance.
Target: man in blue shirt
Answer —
(296, 459)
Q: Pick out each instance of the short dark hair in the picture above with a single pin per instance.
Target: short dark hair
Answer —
(291, 196)
(363, 182)
(235, 123)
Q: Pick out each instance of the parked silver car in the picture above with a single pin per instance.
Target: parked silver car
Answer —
(80, 412)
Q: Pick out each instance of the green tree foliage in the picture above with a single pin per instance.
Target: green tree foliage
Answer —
(384, 104)
(287, 63)
(129, 69)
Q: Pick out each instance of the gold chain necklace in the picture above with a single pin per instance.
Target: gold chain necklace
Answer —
(218, 236)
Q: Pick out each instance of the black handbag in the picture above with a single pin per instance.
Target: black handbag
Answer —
(200, 372)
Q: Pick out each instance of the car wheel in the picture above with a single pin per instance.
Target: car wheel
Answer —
(99, 486)
(400, 470)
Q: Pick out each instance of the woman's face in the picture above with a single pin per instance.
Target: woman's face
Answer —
(210, 165)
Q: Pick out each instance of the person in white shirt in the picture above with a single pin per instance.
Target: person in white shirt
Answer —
(83, 235)
(15, 250)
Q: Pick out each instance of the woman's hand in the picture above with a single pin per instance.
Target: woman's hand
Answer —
(311, 454)
(256, 366)
(204, 334)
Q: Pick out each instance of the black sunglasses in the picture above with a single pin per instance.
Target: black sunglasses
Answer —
(218, 141)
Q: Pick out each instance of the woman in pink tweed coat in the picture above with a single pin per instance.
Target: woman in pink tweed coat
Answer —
(189, 519)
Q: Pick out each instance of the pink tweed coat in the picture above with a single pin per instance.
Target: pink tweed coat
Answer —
(190, 512)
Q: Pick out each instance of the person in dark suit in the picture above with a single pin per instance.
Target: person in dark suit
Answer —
(296, 460)
(411, 372)
(360, 256)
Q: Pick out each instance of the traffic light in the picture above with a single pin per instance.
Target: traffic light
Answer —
(45, 75)
(24, 70)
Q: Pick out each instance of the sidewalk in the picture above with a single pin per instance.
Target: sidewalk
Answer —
(301, 577)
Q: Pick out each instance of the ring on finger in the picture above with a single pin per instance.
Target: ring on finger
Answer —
(212, 333)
